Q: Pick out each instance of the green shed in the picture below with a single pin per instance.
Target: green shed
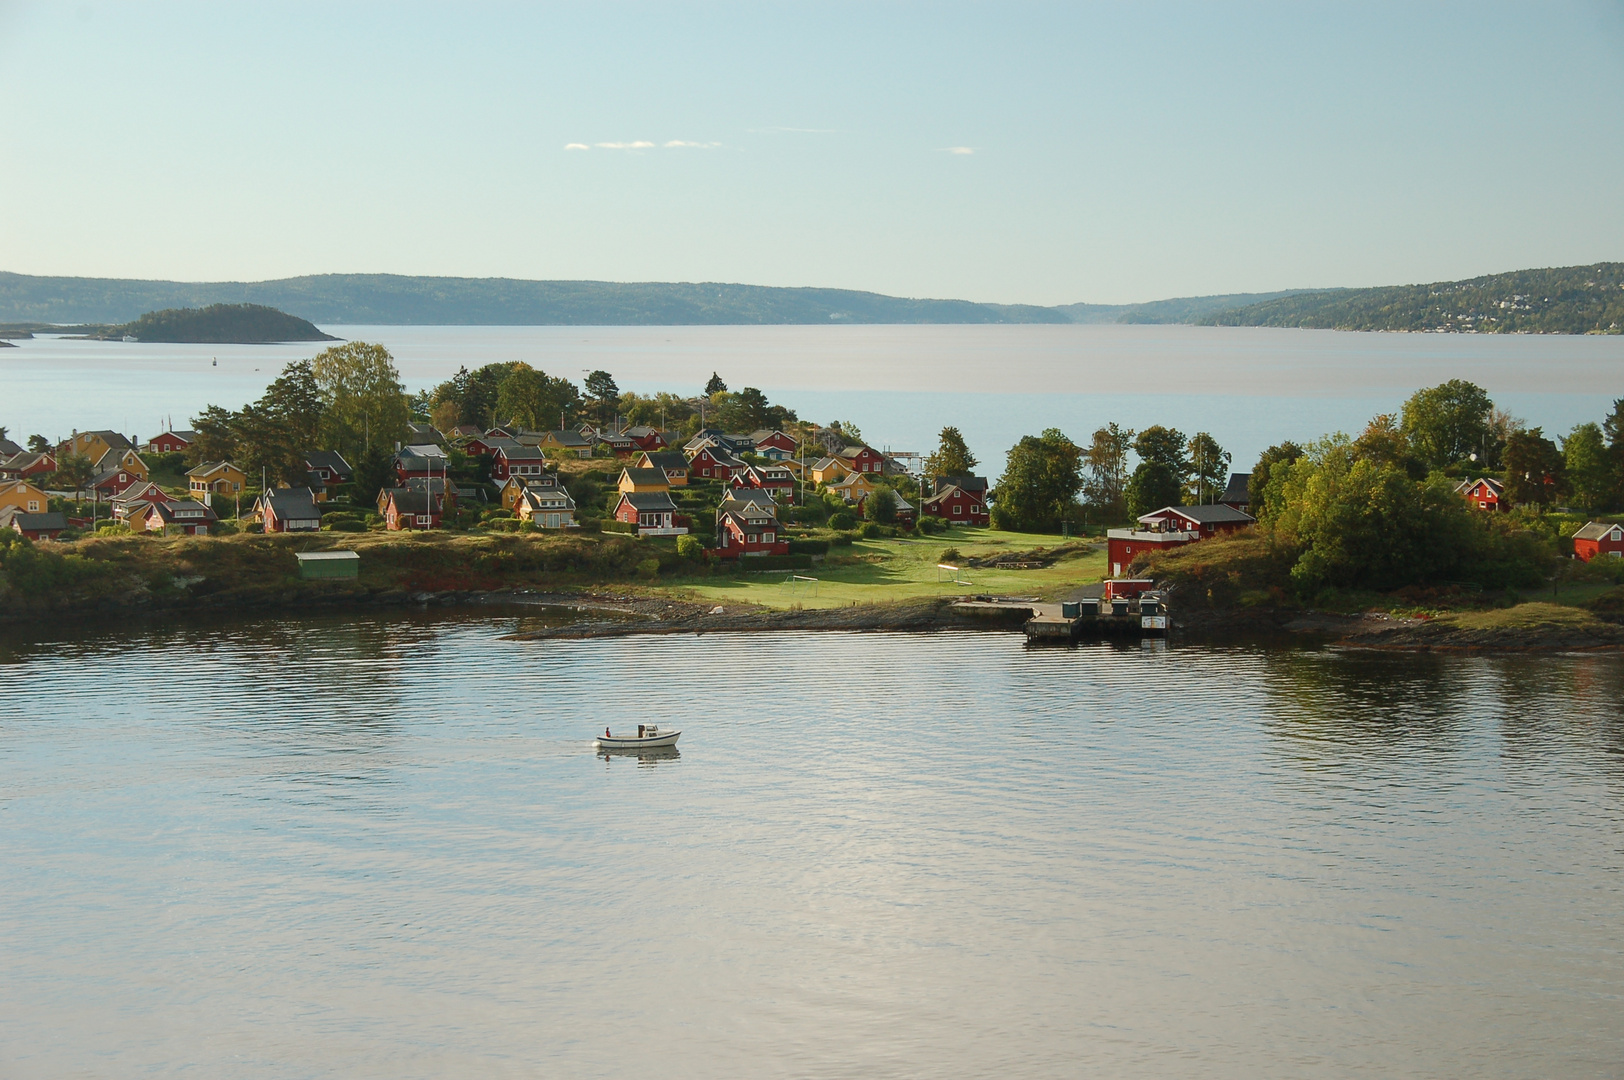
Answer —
(344, 565)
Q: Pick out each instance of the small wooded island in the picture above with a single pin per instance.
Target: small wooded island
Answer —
(217, 324)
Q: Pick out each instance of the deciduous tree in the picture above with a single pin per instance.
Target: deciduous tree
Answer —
(1166, 446)
(1209, 467)
(1591, 474)
(1271, 463)
(533, 398)
(1107, 461)
(881, 506)
(1448, 422)
(1152, 486)
(1534, 469)
(1038, 491)
(365, 401)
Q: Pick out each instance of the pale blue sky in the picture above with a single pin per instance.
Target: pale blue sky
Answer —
(1118, 152)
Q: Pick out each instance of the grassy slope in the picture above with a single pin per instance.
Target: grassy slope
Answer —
(879, 571)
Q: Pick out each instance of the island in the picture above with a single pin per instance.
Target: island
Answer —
(217, 324)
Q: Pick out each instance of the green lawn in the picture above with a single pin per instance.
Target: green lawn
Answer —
(890, 570)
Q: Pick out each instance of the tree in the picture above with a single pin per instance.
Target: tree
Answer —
(715, 386)
(748, 410)
(445, 416)
(1591, 474)
(365, 402)
(1534, 469)
(277, 431)
(37, 444)
(533, 398)
(1152, 486)
(1166, 446)
(1107, 461)
(1038, 491)
(1273, 461)
(1210, 465)
(848, 432)
(73, 472)
(1448, 422)
(881, 506)
(601, 391)
(1384, 443)
(661, 411)
(374, 471)
(216, 436)
(952, 456)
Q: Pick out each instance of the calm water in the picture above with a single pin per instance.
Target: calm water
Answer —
(385, 848)
(1248, 387)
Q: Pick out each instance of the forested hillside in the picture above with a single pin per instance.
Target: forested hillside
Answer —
(1563, 300)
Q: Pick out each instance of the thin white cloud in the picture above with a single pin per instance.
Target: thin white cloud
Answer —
(677, 144)
(638, 145)
(958, 149)
(577, 146)
(796, 130)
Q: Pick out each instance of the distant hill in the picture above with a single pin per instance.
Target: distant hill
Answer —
(1563, 300)
(217, 324)
(1187, 309)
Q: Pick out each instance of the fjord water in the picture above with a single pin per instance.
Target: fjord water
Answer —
(384, 847)
(1249, 387)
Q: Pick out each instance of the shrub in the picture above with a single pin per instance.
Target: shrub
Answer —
(881, 506)
(612, 525)
(591, 525)
(841, 520)
(809, 547)
(690, 547)
(842, 539)
(870, 530)
(948, 555)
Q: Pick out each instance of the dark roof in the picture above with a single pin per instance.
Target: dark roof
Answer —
(642, 477)
(1213, 514)
(761, 434)
(738, 497)
(328, 459)
(210, 466)
(974, 485)
(666, 459)
(944, 493)
(49, 522)
(172, 511)
(547, 498)
(1237, 491)
(648, 500)
(521, 453)
(9, 448)
(291, 504)
(569, 438)
(408, 502)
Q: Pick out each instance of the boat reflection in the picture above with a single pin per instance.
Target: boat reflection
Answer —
(648, 756)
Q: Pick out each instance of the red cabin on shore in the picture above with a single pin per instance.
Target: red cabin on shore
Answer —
(1171, 527)
(1599, 538)
(958, 506)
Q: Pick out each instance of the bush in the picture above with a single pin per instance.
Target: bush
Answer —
(842, 520)
(809, 547)
(614, 526)
(870, 530)
(591, 525)
(842, 539)
(948, 555)
(690, 547)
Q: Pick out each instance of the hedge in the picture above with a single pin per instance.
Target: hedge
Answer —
(809, 547)
(774, 562)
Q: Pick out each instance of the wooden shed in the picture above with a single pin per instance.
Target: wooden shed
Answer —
(337, 565)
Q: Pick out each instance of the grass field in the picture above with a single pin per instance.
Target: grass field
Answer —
(1533, 616)
(881, 571)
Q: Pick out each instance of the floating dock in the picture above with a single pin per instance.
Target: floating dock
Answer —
(1071, 620)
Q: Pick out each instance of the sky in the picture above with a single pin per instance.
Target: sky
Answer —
(1016, 153)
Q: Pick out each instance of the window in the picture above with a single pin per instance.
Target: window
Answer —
(751, 538)
(766, 538)
(236, 486)
(33, 506)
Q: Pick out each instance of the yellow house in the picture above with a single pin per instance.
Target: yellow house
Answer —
(92, 444)
(828, 470)
(567, 442)
(670, 462)
(216, 478)
(512, 491)
(125, 461)
(24, 496)
(642, 480)
(854, 488)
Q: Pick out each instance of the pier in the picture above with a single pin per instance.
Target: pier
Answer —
(1141, 614)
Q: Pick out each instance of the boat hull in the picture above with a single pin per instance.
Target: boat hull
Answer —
(664, 738)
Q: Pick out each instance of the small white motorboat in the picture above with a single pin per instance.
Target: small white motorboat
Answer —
(648, 736)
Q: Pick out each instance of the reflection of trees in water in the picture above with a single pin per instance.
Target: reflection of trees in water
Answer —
(1333, 705)
(1342, 703)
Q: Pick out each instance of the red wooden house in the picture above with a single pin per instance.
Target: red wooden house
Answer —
(774, 480)
(26, 466)
(171, 442)
(773, 444)
(1168, 528)
(135, 500)
(647, 438)
(289, 510)
(652, 513)
(1484, 494)
(521, 461)
(404, 509)
(863, 459)
(486, 444)
(421, 460)
(46, 526)
(747, 528)
(711, 462)
(957, 506)
(619, 445)
(1599, 538)
(186, 516)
